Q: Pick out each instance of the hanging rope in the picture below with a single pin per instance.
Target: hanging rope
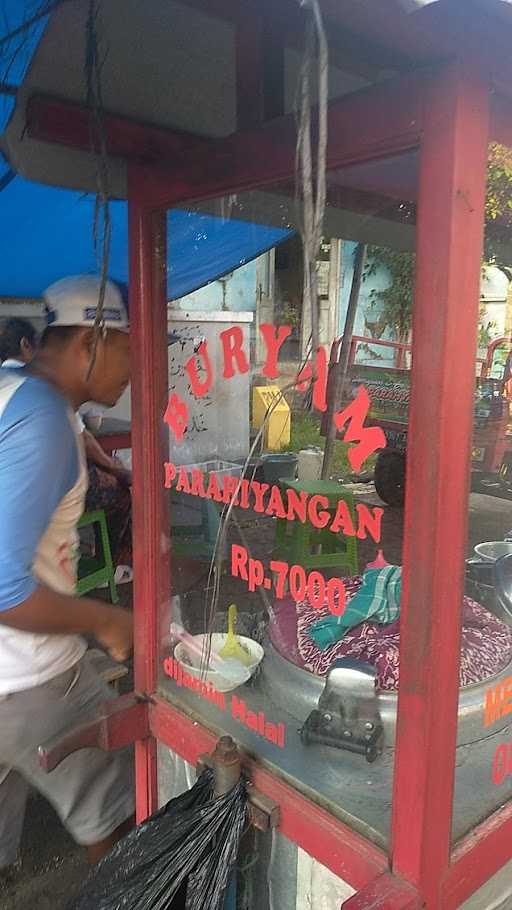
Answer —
(310, 196)
(102, 226)
(212, 593)
(311, 170)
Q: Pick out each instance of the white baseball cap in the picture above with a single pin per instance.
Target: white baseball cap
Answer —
(74, 301)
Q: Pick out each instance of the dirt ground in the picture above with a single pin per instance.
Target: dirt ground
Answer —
(51, 865)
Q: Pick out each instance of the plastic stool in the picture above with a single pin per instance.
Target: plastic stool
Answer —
(93, 572)
(301, 544)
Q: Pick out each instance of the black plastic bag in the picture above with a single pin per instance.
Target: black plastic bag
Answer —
(191, 845)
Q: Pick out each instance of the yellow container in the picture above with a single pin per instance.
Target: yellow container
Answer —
(277, 430)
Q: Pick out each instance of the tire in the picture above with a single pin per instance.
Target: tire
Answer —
(390, 477)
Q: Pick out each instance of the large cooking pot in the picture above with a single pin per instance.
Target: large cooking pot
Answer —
(297, 692)
(305, 695)
(489, 581)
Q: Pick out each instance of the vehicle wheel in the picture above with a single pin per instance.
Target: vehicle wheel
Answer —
(390, 477)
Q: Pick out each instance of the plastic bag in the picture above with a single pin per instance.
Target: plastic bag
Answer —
(190, 845)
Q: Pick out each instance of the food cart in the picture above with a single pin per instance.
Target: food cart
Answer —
(427, 822)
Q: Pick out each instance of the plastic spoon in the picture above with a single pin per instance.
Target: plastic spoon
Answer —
(232, 647)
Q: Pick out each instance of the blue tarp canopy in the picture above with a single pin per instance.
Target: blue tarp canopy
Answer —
(16, 52)
(46, 233)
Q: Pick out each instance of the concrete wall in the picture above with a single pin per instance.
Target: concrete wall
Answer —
(236, 292)
(219, 422)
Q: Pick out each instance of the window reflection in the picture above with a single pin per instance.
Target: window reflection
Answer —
(486, 652)
(301, 561)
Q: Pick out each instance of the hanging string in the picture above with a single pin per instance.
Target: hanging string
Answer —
(311, 196)
(215, 570)
(311, 170)
(102, 226)
(212, 592)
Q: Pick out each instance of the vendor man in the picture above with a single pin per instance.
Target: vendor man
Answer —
(109, 481)
(46, 683)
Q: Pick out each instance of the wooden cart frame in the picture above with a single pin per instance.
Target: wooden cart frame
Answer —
(449, 112)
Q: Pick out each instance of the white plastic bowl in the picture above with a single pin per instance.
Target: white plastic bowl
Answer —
(493, 550)
(238, 673)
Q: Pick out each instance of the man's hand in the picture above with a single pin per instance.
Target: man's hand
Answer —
(123, 475)
(50, 613)
(115, 633)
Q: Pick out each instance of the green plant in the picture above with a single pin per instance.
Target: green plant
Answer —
(395, 300)
(498, 204)
(486, 330)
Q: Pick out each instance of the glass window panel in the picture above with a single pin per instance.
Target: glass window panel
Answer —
(252, 523)
(483, 768)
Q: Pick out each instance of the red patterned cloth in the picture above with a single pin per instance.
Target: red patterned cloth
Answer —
(486, 641)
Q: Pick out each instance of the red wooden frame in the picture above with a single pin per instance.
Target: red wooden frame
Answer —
(477, 857)
(325, 838)
(385, 893)
(449, 108)
(148, 314)
(114, 442)
(384, 120)
(447, 111)
(449, 250)
(52, 120)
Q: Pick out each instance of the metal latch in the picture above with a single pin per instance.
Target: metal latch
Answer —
(348, 715)
(226, 763)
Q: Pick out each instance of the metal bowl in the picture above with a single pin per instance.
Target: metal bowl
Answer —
(493, 550)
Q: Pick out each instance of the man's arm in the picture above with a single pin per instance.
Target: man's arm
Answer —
(38, 466)
(96, 455)
(48, 612)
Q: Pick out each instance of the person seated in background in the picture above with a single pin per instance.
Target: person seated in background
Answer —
(109, 480)
(109, 489)
(18, 342)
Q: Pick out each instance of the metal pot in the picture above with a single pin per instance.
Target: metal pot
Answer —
(298, 692)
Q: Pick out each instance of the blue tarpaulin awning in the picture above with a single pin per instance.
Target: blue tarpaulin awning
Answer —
(17, 52)
(47, 233)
